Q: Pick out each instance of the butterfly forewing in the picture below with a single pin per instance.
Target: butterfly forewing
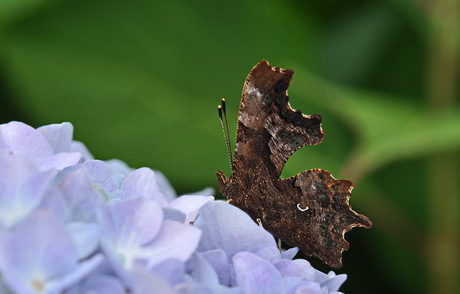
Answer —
(269, 130)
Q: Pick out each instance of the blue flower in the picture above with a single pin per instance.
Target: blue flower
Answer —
(39, 256)
(19, 138)
(22, 188)
(98, 284)
(72, 224)
(135, 236)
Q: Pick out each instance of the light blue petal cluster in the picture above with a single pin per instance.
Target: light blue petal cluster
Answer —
(72, 224)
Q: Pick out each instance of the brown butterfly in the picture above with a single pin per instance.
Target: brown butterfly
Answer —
(309, 210)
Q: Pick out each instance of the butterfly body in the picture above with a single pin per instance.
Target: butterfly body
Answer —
(309, 210)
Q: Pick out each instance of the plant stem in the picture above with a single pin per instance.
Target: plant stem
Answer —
(443, 235)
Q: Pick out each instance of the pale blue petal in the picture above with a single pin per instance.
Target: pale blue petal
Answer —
(22, 188)
(101, 176)
(98, 284)
(117, 195)
(4, 234)
(37, 250)
(118, 167)
(54, 201)
(292, 283)
(171, 270)
(79, 147)
(131, 222)
(209, 191)
(58, 135)
(174, 214)
(290, 253)
(321, 277)
(85, 237)
(115, 262)
(256, 275)
(59, 161)
(307, 288)
(192, 287)
(204, 275)
(203, 272)
(146, 283)
(79, 272)
(218, 260)
(164, 186)
(190, 204)
(3, 289)
(126, 226)
(175, 240)
(270, 254)
(334, 282)
(142, 183)
(296, 268)
(227, 227)
(80, 195)
(19, 138)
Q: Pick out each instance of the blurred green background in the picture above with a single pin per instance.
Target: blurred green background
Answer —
(140, 81)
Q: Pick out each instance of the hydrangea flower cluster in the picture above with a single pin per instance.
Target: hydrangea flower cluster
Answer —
(72, 224)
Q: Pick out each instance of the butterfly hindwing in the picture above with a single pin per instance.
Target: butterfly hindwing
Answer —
(309, 211)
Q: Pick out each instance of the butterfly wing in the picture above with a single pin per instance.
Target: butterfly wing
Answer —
(309, 211)
(269, 131)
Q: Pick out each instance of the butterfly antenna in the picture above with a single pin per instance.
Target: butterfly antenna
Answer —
(224, 124)
(229, 148)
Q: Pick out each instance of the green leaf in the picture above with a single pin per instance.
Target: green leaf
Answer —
(387, 129)
(14, 9)
(141, 82)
